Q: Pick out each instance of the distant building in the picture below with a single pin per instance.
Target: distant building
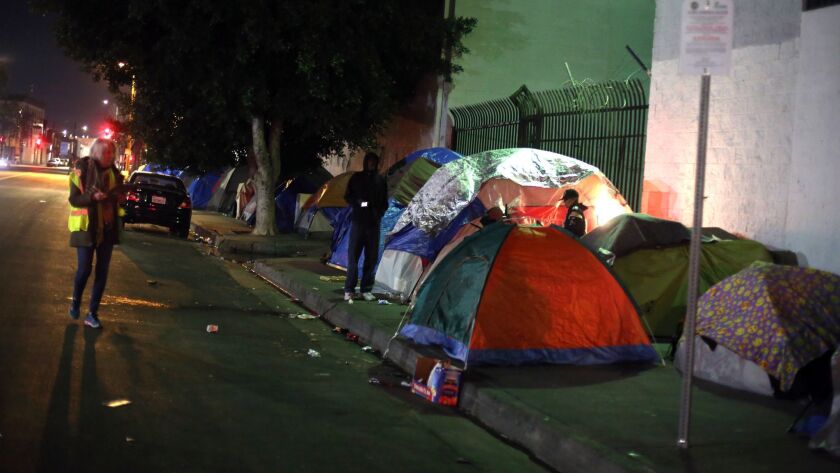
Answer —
(22, 129)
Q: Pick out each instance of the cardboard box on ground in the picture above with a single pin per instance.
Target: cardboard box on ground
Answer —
(436, 381)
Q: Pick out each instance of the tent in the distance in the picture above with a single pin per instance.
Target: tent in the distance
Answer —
(286, 195)
(223, 199)
(202, 189)
(323, 208)
(511, 295)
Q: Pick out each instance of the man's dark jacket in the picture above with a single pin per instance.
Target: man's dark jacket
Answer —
(369, 187)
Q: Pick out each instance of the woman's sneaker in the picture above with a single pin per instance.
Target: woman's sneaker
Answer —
(92, 321)
(74, 312)
(369, 296)
(349, 296)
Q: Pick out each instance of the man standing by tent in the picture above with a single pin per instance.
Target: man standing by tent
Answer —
(367, 194)
(575, 221)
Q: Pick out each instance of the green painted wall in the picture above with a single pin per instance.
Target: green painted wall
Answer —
(528, 41)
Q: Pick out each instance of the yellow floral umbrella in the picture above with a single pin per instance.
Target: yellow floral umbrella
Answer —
(779, 317)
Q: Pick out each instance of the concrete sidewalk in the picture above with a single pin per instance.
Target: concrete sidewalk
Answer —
(580, 418)
(232, 236)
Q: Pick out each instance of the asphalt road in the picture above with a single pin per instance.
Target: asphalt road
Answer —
(153, 391)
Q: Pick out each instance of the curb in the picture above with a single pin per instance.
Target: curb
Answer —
(523, 428)
(204, 233)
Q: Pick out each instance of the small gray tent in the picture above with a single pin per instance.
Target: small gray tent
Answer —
(224, 198)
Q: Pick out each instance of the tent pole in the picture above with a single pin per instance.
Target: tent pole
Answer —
(694, 264)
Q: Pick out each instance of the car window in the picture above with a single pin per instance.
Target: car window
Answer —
(159, 181)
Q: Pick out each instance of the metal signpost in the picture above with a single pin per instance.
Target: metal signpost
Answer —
(705, 49)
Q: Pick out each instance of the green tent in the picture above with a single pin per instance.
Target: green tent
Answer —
(626, 233)
(658, 278)
(403, 184)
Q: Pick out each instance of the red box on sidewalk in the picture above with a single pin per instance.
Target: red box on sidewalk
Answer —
(436, 381)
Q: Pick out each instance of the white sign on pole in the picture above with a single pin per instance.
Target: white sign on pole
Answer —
(706, 37)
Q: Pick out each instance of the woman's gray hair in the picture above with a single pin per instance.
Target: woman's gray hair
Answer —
(99, 146)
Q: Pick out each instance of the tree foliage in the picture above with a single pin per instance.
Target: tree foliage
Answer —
(282, 80)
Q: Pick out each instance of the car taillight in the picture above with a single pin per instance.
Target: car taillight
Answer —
(131, 196)
(185, 204)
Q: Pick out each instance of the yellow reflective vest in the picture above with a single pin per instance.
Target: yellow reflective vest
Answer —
(79, 219)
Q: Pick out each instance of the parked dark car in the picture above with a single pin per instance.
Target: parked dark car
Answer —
(158, 199)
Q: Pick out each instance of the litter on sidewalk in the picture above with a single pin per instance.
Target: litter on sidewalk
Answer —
(313, 353)
(333, 278)
(212, 328)
(303, 316)
(436, 381)
(383, 302)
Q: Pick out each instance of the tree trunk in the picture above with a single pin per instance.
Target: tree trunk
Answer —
(267, 154)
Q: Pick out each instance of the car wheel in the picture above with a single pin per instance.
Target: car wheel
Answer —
(180, 232)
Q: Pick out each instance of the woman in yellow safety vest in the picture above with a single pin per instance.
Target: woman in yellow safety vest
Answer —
(94, 224)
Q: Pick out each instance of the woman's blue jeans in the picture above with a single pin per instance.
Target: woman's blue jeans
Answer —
(85, 264)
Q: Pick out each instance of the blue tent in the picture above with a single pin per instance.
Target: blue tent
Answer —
(341, 230)
(201, 189)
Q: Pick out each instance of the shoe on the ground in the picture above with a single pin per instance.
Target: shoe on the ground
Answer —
(368, 296)
(74, 312)
(92, 321)
(349, 296)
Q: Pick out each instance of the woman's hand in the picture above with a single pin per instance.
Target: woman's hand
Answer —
(99, 196)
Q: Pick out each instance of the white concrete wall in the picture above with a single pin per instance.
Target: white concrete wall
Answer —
(812, 226)
(753, 187)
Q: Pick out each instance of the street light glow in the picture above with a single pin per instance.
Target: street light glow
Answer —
(105, 102)
(84, 127)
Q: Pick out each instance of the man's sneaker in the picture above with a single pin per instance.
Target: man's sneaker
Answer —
(74, 312)
(349, 296)
(368, 296)
(92, 321)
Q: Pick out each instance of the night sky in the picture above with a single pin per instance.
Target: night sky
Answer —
(37, 67)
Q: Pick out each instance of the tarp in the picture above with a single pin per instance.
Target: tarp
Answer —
(658, 278)
(629, 232)
(201, 189)
(720, 365)
(511, 295)
(779, 317)
(525, 183)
